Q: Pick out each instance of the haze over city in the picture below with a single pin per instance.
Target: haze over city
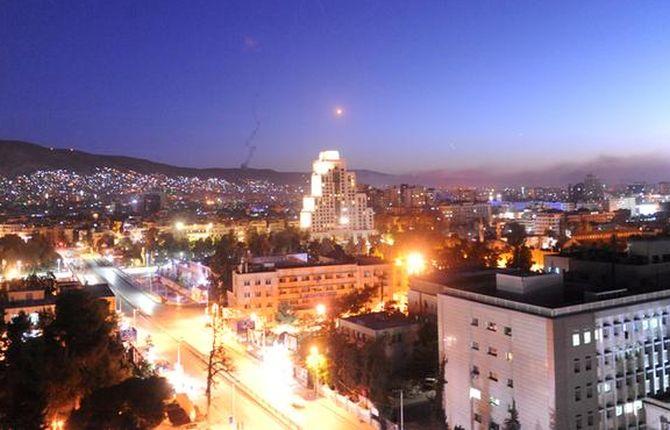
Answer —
(430, 85)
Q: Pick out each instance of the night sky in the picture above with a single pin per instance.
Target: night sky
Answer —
(423, 85)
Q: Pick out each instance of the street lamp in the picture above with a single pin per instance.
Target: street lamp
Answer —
(316, 362)
(321, 309)
(415, 263)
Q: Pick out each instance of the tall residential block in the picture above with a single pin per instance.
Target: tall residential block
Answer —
(334, 208)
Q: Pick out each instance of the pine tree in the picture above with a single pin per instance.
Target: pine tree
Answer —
(512, 422)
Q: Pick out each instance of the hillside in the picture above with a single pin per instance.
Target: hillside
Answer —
(20, 158)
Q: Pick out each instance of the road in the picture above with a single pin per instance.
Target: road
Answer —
(156, 319)
(263, 396)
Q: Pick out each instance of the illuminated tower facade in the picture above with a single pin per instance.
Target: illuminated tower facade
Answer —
(334, 208)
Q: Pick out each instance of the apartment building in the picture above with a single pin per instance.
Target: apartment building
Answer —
(466, 213)
(569, 355)
(301, 286)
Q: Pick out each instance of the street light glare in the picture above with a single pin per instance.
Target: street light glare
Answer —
(415, 263)
(338, 111)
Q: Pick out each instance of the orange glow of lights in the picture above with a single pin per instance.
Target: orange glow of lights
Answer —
(415, 263)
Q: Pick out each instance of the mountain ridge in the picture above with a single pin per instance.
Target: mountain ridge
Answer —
(19, 157)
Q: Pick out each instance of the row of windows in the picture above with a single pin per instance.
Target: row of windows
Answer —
(491, 326)
(247, 282)
(492, 351)
(588, 390)
(258, 306)
(247, 294)
(493, 376)
(601, 333)
(589, 421)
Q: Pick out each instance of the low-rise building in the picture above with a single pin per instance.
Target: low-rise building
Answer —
(398, 332)
(263, 288)
(35, 298)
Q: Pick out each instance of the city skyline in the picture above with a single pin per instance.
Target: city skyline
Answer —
(466, 83)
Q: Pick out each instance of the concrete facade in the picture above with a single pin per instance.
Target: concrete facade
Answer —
(579, 365)
(303, 287)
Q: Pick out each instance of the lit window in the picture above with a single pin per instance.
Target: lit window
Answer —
(575, 339)
(475, 393)
(509, 356)
(587, 337)
(619, 410)
(492, 326)
(493, 401)
(628, 407)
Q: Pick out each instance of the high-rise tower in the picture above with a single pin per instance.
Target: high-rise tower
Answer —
(334, 208)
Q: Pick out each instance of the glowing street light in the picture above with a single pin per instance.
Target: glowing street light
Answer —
(321, 309)
(415, 263)
(338, 111)
(316, 362)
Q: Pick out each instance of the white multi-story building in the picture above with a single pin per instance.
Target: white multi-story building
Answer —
(334, 208)
(568, 355)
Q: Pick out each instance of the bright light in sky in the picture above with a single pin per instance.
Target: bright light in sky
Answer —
(338, 111)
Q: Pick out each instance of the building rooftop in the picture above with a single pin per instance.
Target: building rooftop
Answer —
(381, 320)
(566, 297)
(294, 263)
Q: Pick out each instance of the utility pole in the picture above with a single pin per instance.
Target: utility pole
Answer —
(402, 412)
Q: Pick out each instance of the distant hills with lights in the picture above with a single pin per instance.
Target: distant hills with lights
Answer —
(20, 158)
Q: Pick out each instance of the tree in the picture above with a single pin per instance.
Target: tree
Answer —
(226, 258)
(135, 403)
(83, 350)
(46, 376)
(22, 397)
(285, 314)
(521, 255)
(345, 363)
(522, 258)
(516, 234)
(218, 362)
(424, 359)
(512, 422)
(36, 253)
(354, 302)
